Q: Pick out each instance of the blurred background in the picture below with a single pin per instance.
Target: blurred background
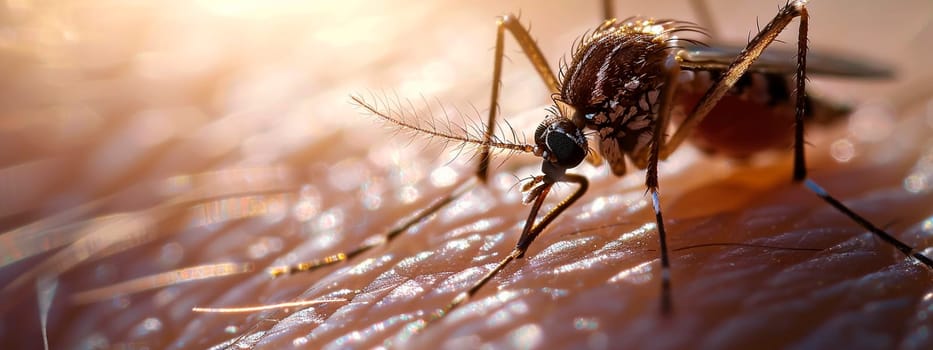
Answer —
(146, 145)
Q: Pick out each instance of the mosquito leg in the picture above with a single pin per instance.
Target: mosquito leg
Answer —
(609, 11)
(533, 53)
(672, 70)
(800, 161)
(666, 298)
(529, 233)
(732, 74)
(901, 246)
(378, 241)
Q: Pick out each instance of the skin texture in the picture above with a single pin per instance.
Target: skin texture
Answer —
(252, 107)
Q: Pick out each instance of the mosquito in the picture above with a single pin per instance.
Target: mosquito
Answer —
(642, 91)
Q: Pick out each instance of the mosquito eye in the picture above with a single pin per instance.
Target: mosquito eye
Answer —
(566, 150)
(564, 142)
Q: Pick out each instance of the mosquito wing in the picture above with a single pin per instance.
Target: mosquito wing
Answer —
(784, 62)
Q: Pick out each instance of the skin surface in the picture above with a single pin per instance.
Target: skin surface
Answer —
(225, 135)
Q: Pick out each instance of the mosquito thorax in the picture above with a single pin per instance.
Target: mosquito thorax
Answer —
(613, 82)
(561, 144)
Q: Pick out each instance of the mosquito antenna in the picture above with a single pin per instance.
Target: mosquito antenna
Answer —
(397, 117)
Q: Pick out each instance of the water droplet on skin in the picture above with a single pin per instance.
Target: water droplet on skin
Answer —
(916, 183)
(526, 337)
(443, 176)
(148, 326)
(585, 323)
(408, 194)
(842, 150)
(300, 341)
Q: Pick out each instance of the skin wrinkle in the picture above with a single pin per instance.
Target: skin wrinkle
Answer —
(858, 292)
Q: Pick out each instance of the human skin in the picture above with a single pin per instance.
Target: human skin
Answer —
(278, 105)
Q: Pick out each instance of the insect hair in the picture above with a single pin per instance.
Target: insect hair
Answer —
(403, 115)
(671, 27)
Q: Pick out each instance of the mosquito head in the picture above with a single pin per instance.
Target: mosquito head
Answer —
(562, 145)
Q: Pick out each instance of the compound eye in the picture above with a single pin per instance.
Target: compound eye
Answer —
(565, 144)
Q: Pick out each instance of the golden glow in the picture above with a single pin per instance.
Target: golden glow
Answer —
(253, 8)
